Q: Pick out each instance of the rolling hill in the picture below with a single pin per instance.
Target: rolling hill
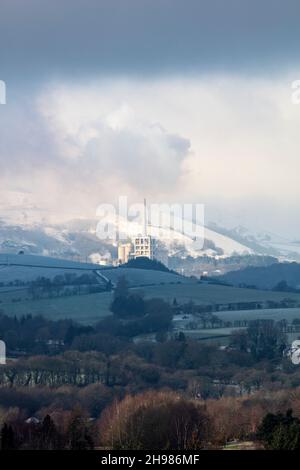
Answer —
(90, 308)
(78, 238)
(266, 277)
(26, 268)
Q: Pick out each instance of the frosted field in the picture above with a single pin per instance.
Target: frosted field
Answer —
(29, 267)
(212, 294)
(210, 332)
(26, 268)
(43, 261)
(88, 309)
(144, 277)
(28, 273)
(269, 314)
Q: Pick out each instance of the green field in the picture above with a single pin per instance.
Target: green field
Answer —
(269, 314)
(92, 307)
(212, 293)
(210, 333)
(145, 277)
(88, 308)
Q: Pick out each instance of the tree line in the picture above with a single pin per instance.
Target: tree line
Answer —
(161, 420)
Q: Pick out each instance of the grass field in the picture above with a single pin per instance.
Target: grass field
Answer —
(28, 267)
(145, 277)
(211, 337)
(30, 273)
(91, 307)
(244, 445)
(272, 314)
(87, 309)
(207, 332)
(212, 294)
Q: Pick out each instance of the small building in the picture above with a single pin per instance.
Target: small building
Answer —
(32, 420)
(124, 252)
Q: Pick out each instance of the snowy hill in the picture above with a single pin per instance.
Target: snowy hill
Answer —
(182, 241)
(77, 240)
(266, 243)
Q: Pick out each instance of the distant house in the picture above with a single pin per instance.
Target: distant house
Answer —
(124, 252)
(32, 420)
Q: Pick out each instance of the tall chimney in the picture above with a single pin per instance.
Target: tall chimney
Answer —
(145, 218)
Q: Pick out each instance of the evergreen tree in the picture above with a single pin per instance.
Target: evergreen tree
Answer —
(50, 438)
(79, 437)
(7, 438)
(280, 432)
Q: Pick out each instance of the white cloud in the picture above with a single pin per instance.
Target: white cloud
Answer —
(229, 142)
(106, 140)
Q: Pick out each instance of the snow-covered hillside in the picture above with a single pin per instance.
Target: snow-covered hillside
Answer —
(227, 244)
(182, 239)
(266, 242)
(77, 240)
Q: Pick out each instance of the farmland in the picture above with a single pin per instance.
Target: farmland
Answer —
(275, 314)
(26, 268)
(90, 308)
(145, 277)
(213, 294)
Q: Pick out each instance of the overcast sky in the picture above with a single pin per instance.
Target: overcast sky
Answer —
(174, 100)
